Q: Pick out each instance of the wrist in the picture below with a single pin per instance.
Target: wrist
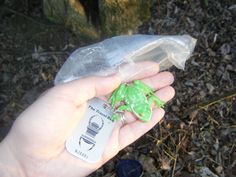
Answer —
(9, 166)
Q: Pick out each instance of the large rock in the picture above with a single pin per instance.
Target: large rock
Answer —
(123, 16)
(114, 17)
(71, 14)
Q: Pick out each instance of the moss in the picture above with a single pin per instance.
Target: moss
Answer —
(78, 23)
(123, 16)
(71, 14)
(116, 16)
(55, 10)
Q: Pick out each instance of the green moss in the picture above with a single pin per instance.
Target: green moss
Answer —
(55, 10)
(117, 16)
(78, 23)
(123, 17)
(72, 16)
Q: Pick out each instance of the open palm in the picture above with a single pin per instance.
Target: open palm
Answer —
(37, 138)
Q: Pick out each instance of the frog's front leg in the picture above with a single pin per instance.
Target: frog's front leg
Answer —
(158, 102)
(143, 87)
(118, 95)
(119, 110)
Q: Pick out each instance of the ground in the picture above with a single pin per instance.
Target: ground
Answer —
(197, 137)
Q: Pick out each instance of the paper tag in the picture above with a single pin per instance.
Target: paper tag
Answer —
(90, 137)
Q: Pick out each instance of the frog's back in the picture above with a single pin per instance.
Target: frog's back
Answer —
(134, 96)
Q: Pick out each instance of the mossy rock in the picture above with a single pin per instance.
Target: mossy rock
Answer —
(71, 14)
(115, 17)
(123, 16)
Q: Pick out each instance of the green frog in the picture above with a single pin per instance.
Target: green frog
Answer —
(136, 97)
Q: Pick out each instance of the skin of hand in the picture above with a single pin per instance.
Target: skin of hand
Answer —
(35, 146)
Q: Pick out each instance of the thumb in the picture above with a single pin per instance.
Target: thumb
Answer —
(79, 91)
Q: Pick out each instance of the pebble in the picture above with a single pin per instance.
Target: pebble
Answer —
(210, 87)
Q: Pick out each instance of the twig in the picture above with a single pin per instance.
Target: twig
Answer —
(40, 54)
(169, 155)
(205, 104)
(211, 117)
(174, 167)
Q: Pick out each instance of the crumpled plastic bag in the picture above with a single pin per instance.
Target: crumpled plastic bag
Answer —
(118, 54)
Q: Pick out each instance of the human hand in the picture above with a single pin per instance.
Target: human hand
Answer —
(35, 145)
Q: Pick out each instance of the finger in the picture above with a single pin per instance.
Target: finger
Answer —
(132, 131)
(159, 80)
(138, 70)
(165, 94)
(84, 89)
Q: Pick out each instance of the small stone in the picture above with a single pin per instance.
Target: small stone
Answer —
(182, 125)
(210, 87)
(175, 108)
(216, 145)
(165, 164)
(211, 52)
(191, 22)
(147, 163)
(233, 7)
(202, 94)
(229, 67)
(189, 83)
(213, 152)
(228, 57)
(219, 169)
(206, 172)
(178, 103)
(225, 49)
(226, 76)
(193, 62)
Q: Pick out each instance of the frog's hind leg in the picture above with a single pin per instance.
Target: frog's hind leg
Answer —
(115, 117)
(158, 102)
(143, 112)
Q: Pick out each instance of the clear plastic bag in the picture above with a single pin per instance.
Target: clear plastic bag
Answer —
(120, 53)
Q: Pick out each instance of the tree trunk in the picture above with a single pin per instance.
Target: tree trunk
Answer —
(93, 19)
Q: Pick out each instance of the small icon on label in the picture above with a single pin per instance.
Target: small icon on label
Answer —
(87, 140)
(86, 143)
(105, 106)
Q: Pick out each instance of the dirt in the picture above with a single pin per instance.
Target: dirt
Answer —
(197, 137)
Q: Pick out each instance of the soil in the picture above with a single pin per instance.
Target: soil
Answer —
(197, 137)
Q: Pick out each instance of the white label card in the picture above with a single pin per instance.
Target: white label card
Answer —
(91, 135)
